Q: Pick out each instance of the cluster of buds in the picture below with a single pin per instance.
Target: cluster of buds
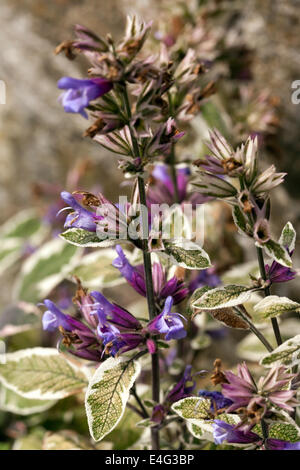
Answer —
(135, 101)
(233, 175)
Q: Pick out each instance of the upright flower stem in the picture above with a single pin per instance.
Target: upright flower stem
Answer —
(262, 269)
(151, 305)
(147, 266)
(261, 262)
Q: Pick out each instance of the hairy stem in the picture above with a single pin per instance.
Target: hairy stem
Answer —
(262, 269)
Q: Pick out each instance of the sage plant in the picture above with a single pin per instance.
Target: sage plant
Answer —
(139, 106)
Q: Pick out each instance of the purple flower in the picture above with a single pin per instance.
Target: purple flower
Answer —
(218, 401)
(79, 93)
(162, 190)
(135, 276)
(278, 273)
(81, 217)
(80, 340)
(168, 323)
(54, 318)
(278, 444)
(226, 432)
(118, 329)
(107, 311)
(205, 277)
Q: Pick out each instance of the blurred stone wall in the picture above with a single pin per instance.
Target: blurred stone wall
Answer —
(38, 141)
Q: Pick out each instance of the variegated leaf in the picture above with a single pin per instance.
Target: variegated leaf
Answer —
(288, 237)
(221, 297)
(41, 373)
(83, 238)
(193, 409)
(187, 254)
(277, 252)
(44, 269)
(239, 219)
(287, 354)
(107, 395)
(95, 269)
(273, 306)
(201, 431)
(285, 431)
(15, 403)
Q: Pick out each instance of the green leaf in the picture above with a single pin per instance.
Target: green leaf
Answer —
(277, 252)
(81, 237)
(41, 373)
(221, 297)
(43, 270)
(287, 354)
(95, 270)
(15, 403)
(107, 395)
(288, 237)
(273, 306)
(239, 219)
(187, 254)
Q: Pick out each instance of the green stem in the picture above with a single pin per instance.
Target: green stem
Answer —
(151, 304)
(254, 330)
(147, 267)
(140, 403)
(263, 274)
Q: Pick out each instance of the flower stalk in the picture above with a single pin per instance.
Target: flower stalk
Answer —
(151, 307)
(147, 269)
(262, 269)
